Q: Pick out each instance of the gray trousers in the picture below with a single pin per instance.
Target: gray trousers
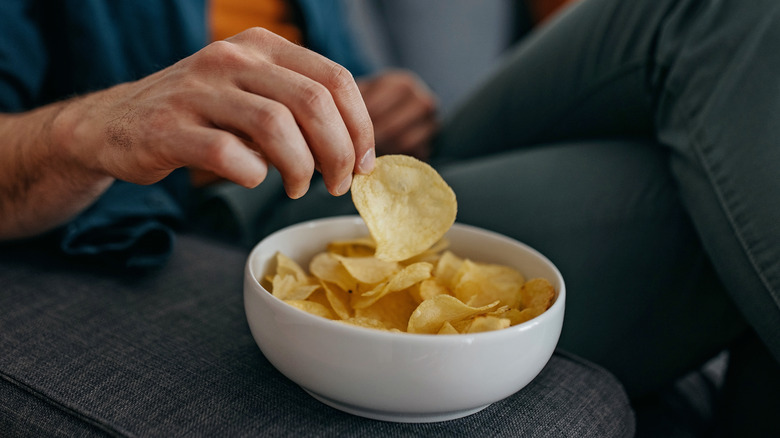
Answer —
(636, 144)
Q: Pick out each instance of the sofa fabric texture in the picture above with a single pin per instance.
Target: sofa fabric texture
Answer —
(168, 352)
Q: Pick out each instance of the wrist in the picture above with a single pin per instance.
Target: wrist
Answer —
(43, 183)
(70, 138)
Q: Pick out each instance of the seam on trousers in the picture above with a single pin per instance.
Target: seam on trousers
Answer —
(698, 142)
(94, 422)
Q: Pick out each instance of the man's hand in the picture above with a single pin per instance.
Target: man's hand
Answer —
(233, 109)
(403, 111)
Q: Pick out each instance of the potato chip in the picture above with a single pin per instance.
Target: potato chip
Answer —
(525, 315)
(393, 311)
(290, 281)
(368, 270)
(360, 247)
(462, 326)
(477, 284)
(362, 321)
(287, 287)
(430, 288)
(487, 323)
(406, 205)
(288, 266)
(537, 293)
(406, 278)
(431, 314)
(430, 255)
(447, 329)
(319, 296)
(338, 298)
(446, 268)
(312, 307)
(327, 267)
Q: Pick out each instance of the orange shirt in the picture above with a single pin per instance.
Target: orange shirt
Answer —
(229, 17)
(542, 9)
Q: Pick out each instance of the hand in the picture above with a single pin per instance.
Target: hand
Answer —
(403, 111)
(233, 109)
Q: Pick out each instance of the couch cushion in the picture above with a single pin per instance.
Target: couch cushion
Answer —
(169, 353)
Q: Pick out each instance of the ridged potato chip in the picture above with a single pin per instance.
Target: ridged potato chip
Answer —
(291, 282)
(393, 311)
(477, 284)
(369, 270)
(487, 323)
(404, 279)
(431, 314)
(406, 205)
(312, 307)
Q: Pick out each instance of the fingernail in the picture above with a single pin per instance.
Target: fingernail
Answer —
(366, 164)
(344, 186)
(299, 194)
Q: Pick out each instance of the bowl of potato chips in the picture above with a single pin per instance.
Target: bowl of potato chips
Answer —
(382, 372)
(401, 314)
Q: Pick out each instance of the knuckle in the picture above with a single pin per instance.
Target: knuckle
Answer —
(339, 78)
(274, 117)
(316, 97)
(220, 53)
(259, 34)
(215, 153)
(262, 41)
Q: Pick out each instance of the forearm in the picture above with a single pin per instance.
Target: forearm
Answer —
(42, 185)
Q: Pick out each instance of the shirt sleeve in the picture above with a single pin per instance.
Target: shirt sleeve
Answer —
(23, 56)
(131, 226)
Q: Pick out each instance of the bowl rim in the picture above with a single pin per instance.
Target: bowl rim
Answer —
(342, 327)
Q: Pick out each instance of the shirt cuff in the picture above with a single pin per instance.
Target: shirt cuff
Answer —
(130, 226)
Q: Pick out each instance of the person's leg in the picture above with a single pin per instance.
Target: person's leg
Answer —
(699, 76)
(719, 111)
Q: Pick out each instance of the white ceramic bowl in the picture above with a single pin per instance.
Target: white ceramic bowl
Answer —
(398, 376)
